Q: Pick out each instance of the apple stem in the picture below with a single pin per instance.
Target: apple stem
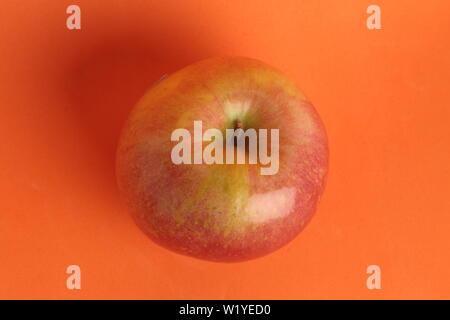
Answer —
(237, 124)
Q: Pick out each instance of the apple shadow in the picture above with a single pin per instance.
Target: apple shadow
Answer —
(113, 72)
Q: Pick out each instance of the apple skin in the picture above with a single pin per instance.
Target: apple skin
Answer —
(223, 213)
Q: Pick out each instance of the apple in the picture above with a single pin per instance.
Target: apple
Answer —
(224, 212)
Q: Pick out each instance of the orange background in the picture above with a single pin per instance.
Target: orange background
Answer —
(383, 95)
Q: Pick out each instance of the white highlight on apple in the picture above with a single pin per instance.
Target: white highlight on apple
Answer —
(213, 152)
(270, 205)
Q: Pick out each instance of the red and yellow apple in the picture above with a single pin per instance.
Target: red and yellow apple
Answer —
(222, 212)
